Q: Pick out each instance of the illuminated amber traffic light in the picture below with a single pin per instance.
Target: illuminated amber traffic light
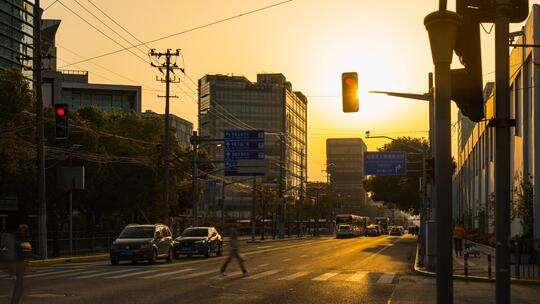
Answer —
(349, 89)
(61, 129)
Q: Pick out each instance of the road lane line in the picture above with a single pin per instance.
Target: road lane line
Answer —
(70, 274)
(227, 275)
(263, 247)
(263, 274)
(325, 276)
(304, 255)
(357, 276)
(263, 265)
(194, 275)
(387, 278)
(286, 260)
(294, 276)
(41, 274)
(132, 274)
(166, 273)
(104, 273)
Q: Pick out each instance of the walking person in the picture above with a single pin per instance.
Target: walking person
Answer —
(23, 249)
(459, 235)
(234, 252)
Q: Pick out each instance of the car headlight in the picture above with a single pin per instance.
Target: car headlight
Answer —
(201, 242)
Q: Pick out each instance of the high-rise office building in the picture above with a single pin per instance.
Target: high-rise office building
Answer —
(270, 104)
(17, 35)
(345, 167)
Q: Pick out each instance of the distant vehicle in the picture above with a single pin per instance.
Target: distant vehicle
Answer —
(396, 230)
(371, 230)
(350, 225)
(142, 242)
(198, 240)
(383, 223)
(379, 229)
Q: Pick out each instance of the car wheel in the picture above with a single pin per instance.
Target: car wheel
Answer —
(154, 257)
(219, 252)
(170, 256)
(176, 255)
(115, 261)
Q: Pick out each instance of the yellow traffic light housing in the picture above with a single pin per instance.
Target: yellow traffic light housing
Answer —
(349, 90)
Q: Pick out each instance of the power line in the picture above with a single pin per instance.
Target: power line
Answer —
(184, 32)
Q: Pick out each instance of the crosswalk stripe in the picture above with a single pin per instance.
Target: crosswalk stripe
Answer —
(430, 281)
(167, 273)
(193, 275)
(286, 260)
(71, 274)
(132, 274)
(357, 276)
(386, 278)
(229, 275)
(294, 276)
(325, 276)
(304, 255)
(101, 274)
(263, 274)
(262, 265)
(42, 274)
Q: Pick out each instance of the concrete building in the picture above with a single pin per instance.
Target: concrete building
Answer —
(345, 167)
(270, 104)
(183, 128)
(17, 35)
(474, 178)
(72, 87)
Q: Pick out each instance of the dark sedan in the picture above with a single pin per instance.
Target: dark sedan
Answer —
(142, 242)
(198, 240)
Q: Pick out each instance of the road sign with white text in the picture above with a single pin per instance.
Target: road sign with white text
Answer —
(240, 146)
(385, 163)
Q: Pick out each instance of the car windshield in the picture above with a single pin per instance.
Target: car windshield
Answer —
(195, 232)
(137, 233)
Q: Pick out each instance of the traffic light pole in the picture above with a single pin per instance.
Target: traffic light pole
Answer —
(502, 153)
(42, 222)
(442, 29)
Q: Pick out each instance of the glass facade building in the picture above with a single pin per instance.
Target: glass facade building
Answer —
(16, 35)
(270, 104)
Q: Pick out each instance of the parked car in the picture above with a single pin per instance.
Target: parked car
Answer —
(142, 242)
(371, 230)
(396, 231)
(198, 240)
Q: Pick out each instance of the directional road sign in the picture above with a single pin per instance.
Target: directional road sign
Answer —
(385, 163)
(243, 146)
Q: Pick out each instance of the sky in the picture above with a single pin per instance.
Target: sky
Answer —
(311, 42)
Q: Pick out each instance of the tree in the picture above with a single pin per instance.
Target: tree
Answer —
(400, 190)
(524, 205)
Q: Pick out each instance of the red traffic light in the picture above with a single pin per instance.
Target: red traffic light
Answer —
(350, 81)
(60, 112)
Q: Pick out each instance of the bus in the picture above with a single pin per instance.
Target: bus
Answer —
(383, 222)
(350, 225)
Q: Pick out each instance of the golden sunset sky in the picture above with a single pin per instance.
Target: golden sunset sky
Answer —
(310, 41)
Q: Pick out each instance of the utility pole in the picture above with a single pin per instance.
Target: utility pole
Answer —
(253, 208)
(168, 67)
(502, 152)
(301, 198)
(442, 28)
(194, 181)
(42, 223)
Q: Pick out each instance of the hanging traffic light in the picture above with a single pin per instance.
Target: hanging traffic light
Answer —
(467, 83)
(484, 10)
(349, 90)
(61, 129)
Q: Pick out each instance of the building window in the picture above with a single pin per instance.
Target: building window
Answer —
(517, 104)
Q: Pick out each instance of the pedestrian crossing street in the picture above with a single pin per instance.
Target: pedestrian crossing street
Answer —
(186, 273)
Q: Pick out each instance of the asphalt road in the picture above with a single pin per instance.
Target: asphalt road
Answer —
(322, 270)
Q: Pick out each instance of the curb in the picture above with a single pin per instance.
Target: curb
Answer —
(73, 259)
(470, 278)
(285, 239)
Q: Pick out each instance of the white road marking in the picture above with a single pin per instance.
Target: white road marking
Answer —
(104, 273)
(304, 255)
(263, 265)
(228, 275)
(294, 276)
(167, 273)
(132, 274)
(325, 276)
(357, 276)
(387, 278)
(71, 274)
(193, 275)
(286, 260)
(41, 274)
(263, 247)
(263, 274)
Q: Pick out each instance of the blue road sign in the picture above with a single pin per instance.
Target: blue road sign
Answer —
(242, 145)
(385, 163)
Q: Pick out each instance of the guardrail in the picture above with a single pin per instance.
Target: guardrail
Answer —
(525, 258)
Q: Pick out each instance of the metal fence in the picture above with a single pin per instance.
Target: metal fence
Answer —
(81, 245)
(525, 259)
